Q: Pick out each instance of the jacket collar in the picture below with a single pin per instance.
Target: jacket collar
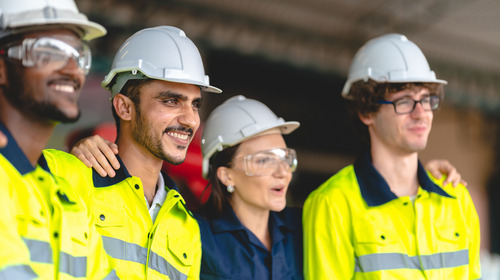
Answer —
(374, 188)
(229, 222)
(122, 174)
(13, 153)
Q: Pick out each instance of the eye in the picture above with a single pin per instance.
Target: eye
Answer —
(169, 101)
(196, 105)
(405, 102)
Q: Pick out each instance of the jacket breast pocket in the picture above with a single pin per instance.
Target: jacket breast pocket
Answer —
(77, 226)
(372, 235)
(32, 223)
(451, 237)
(181, 249)
(110, 220)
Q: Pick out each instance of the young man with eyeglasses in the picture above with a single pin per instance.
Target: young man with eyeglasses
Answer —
(46, 231)
(384, 217)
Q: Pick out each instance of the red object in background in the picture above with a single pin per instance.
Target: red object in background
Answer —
(186, 175)
(105, 130)
(189, 173)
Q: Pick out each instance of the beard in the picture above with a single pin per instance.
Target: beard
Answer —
(144, 136)
(22, 100)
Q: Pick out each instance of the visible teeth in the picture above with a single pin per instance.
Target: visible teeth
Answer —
(64, 88)
(177, 135)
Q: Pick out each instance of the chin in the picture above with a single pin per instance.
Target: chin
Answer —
(175, 160)
(278, 208)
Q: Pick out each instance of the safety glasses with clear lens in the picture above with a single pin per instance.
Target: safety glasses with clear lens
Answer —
(50, 53)
(267, 162)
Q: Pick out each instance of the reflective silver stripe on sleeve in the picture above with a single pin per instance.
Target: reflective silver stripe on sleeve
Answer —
(161, 265)
(445, 260)
(74, 266)
(40, 251)
(122, 250)
(111, 276)
(389, 261)
(119, 249)
(18, 272)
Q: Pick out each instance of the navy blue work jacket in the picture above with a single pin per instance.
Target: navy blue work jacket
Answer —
(231, 251)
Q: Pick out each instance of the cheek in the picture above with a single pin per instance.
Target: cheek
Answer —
(250, 186)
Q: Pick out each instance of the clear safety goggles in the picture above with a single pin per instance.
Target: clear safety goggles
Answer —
(267, 162)
(50, 53)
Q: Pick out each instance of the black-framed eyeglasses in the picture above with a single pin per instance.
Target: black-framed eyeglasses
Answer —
(406, 105)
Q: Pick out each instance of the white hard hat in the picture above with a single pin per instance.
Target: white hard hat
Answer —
(18, 16)
(390, 58)
(236, 120)
(160, 53)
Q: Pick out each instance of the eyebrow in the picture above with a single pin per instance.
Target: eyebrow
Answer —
(170, 94)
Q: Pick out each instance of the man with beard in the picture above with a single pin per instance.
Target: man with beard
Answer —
(384, 217)
(156, 81)
(46, 230)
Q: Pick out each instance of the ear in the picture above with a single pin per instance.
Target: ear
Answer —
(225, 176)
(3, 73)
(124, 107)
(367, 118)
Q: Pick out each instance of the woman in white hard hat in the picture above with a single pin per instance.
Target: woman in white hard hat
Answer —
(246, 231)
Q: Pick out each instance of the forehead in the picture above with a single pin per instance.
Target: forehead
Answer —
(186, 91)
(413, 91)
(62, 34)
(261, 143)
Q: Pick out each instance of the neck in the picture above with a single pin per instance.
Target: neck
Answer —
(255, 220)
(399, 170)
(140, 163)
(31, 135)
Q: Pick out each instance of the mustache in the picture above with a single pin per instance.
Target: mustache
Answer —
(179, 128)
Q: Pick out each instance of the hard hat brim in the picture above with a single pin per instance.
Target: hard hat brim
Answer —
(347, 85)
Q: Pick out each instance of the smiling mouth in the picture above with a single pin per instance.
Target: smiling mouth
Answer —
(63, 88)
(178, 135)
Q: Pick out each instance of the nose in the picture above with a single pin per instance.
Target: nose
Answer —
(71, 67)
(418, 110)
(189, 117)
(282, 169)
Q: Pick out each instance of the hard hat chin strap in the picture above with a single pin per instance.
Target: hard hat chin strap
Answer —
(122, 79)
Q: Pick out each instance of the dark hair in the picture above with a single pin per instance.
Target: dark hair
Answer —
(132, 90)
(365, 98)
(218, 201)
(9, 40)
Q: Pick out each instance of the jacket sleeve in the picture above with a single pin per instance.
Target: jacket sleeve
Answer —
(194, 273)
(14, 254)
(474, 245)
(328, 250)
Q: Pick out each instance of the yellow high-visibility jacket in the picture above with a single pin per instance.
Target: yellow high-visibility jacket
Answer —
(356, 228)
(169, 248)
(46, 231)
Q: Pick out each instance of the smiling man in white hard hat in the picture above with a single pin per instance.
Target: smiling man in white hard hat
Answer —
(45, 228)
(156, 81)
(385, 217)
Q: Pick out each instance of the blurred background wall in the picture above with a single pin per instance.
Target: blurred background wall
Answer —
(294, 56)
